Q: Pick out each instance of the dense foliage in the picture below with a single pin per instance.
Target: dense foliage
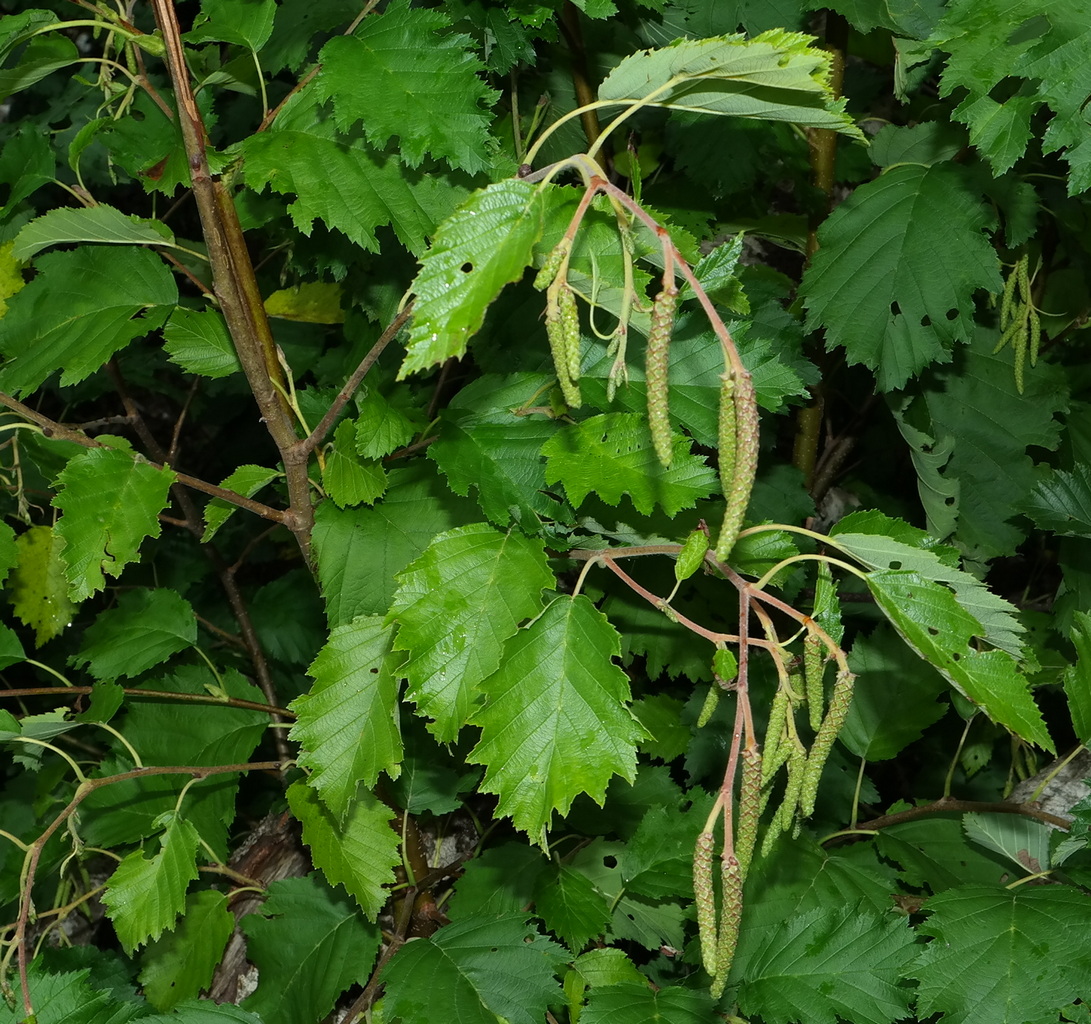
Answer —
(571, 511)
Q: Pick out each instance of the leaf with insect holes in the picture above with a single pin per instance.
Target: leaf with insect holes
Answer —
(556, 721)
(144, 895)
(347, 725)
(881, 284)
(111, 501)
(38, 586)
(485, 244)
(930, 619)
(777, 76)
(455, 607)
(612, 455)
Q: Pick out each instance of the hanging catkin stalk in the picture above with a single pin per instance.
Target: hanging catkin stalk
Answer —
(657, 370)
(738, 454)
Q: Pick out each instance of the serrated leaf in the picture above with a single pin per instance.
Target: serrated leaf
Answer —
(204, 1011)
(831, 962)
(347, 478)
(180, 964)
(69, 997)
(629, 1003)
(351, 188)
(490, 971)
(347, 725)
(111, 502)
(361, 550)
(570, 906)
(310, 945)
(456, 605)
(198, 341)
(11, 650)
(312, 302)
(43, 55)
(81, 308)
(1023, 841)
(658, 860)
(885, 288)
(247, 481)
(612, 455)
(380, 426)
(27, 161)
(145, 628)
(485, 244)
(100, 224)
(359, 851)
(1003, 956)
(775, 76)
(1062, 502)
(1077, 677)
(145, 896)
(556, 721)
(931, 621)
(660, 716)
(38, 585)
(880, 542)
(433, 98)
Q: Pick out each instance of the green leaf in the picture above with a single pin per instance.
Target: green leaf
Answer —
(456, 605)
(775, 76)
(348, 479)
(1022, 841)
(42, 56)
(204, 1011)
(491, 971)
(380, 426)
(612, 455)
(973, 411)
(882, 286)
(351, 188)
(987, 48)
(309, 946)
(570, 906)
(831, 962)
(1003, 956)
(485, 244)
(630, 1003)
(930, 620)
(247, 481)
(38, 585)
(880, 542)
(145, 896)
(433, 98)
(487, 446)
(198, 341)
(660, 716)
(884, 718)
(69, 998)
(360, 551)
(1077, 677)
(111, 502)
(145, 628)
(11, 650)
(180, 964)
(81, 308)
(556, 721)
(1062, 502)
(935, 854)
(26, 160)
(101, 224)
(359, 851)
(347, 725)
(247, 23)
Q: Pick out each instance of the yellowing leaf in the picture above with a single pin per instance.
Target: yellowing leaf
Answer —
(313, 302)
(39, 587)
(11, 276)
(556, 720)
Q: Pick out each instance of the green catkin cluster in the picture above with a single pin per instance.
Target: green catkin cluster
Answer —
(1020, 323)
(738, 457)
(656, 372)
(775, 750)
(785, 813)
(563, 331)
(705, 899)
(746, 835)
(840, 700)
(814, 667)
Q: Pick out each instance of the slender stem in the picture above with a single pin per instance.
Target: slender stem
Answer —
(948, 805)
(186, 698)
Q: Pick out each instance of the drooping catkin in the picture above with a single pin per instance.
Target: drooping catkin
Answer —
(705, 899)
(708, 709)
(746, 832)
(785, 812)
(544, 278)
(563, 330)
(840, 701)
(737, 404)
(814, 668)
(774, 736)
(730, 919)
(657, 372)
